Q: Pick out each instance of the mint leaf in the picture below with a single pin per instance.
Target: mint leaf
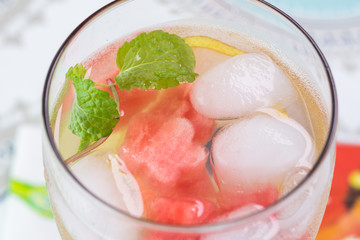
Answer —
(94, 113)
(155, 60)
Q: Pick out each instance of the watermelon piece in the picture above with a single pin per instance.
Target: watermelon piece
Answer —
(162, 151)
(183, 211)
(201, 186)
(172, 102)
(157, 235)
(134, 101)
(175, 102)
(102, 65)
(204, 127)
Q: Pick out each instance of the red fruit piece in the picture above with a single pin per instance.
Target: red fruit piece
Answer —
(162, 152)
(183, 211)
(156, 235)
(204, 127)
(201, 186)
(102, 65)
(172, 102)
(175, 102)
(134, 101)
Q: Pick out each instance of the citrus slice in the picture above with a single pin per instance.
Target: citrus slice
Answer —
(213, 44)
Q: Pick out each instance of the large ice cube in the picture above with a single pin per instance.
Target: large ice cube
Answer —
(100, 173)
(263, 229)
(260, 149)
(94, 172)
(241, 85)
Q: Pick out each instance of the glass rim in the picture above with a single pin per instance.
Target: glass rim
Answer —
(198, 228)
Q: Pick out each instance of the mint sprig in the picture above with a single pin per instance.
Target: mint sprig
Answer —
(94, 113)
(155, 60)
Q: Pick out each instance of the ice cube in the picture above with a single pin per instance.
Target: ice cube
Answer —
(103, 178)
(260, 149)
(263, 229)
(94, 172)
(241, 85)
(127, 186)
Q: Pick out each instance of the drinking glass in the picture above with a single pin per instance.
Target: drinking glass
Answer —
(81, 214)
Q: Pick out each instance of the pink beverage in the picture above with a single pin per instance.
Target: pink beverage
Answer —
(180, 126)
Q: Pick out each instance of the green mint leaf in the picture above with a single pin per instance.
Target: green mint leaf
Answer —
(155, 60)
(94, 113)
(83, 144)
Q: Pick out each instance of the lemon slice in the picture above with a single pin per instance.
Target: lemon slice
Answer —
(213, 44)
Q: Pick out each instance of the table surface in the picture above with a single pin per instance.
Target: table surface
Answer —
(30, 34)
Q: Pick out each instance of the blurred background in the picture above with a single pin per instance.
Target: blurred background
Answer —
(31, 31)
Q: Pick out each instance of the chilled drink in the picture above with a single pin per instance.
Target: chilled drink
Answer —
(179, 147)
(231, 154)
